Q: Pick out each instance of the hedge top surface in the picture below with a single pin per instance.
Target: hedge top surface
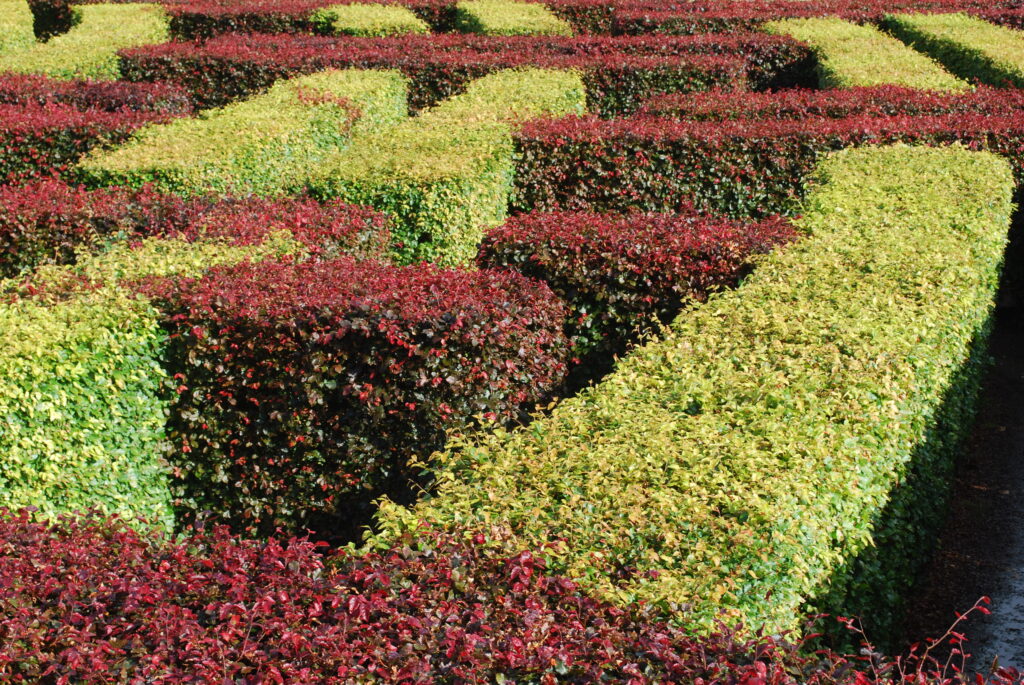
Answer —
(365, 19)
(736, 463)
(509, 18)
(853, 55)
(968, 46)
(89, 49)
(15, 26)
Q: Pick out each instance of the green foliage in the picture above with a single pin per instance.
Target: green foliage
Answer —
(508, 18)
(446, 175)
(83, 397)
(89, 49)
(15, 26)
(851, 55)
(969, 47)
(747, 455)
(259, 146)
(364, 19)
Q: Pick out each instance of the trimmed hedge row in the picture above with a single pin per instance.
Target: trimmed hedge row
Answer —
(742, 167)
(969, 47)
(16, 32)
(739, 465)
(509, 18)
(358, 19)
(854, 55)
(446, 176)
(49, 222)
(796, 103)
(624, 274)
(619, 72)
(108, 96)
(262, 146)
(89, 49)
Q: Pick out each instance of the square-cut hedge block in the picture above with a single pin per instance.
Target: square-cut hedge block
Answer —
(366, 19)
(15, 26)
(506, 18)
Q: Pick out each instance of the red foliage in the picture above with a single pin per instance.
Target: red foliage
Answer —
(621, 273)
(45, 222)
(304, 385)
(108, 96)
(619, 72)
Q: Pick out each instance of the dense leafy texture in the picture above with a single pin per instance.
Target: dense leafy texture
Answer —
(969, 47)
(262, 146)
(743, 462)
(509, 18)
(359, 19)
(108, 96)
(304, 386)
(623, 274)
(15, 26)
(854, 55)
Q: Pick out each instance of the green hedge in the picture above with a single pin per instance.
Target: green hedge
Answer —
(360, 19)
(508, 18)
(851, 55)
(260, 146)
(742, 461)
(445, 176)
(89, 49)
(969, 47)
(15, 26)
(83, 397)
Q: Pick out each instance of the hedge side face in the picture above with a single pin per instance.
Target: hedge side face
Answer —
(369, 20)
(969, 47)
(509, 18)
(737, 464)
(89, 49)
(853, 55)
(261, 146)
(446, 175)
(16, 32)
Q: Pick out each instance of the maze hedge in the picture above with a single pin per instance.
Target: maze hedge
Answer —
(108, 96)
(742, 463)
(360, 19)
(262, 146)
(15, 26)
(509, 18)
(969, 47)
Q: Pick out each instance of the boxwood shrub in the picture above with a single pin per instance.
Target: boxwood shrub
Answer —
(89, 49)
(969, 47)
(740, 465)
(260, 146)
(16, 32)
(509, 18)
(446, 175)
(366, 19)
(860, 55)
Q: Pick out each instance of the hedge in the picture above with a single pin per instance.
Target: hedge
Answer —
(359, 19)
(16, 32)
(108, 96)
(739, 465)
(619, 73)
(742, 167)
(853, 55)
(969, 47)
(89, 49)
(509, 18)
(446, 175)
(623, 274)
(262, 146)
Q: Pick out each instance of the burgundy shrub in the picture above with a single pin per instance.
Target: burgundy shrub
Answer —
(108, 96)
(621, 273)
(305, 387)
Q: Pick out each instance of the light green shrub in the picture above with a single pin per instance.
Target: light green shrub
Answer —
(851, 55)
(361, 19)
(509, 18)
(969, 47)
(259, 146)
(445, 176)
(89, 49)
(15, 26)
(748, 455)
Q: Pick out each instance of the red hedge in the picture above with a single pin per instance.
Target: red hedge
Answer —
(744, 167)
(306, 387)
(619, 273)
(109, 96)
(45, 222)
(619, 72)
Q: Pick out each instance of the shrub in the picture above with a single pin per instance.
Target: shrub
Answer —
(108, 96)
(89, 49)
(360, 19)
(742, 463)
(446, 175)
(52, 17)
(509, 18)
(15, 26)
(854, 55)
(262, 146)
(619, 73)
(969, 47)
(622, 273)
(305, 386)
(49, 222)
